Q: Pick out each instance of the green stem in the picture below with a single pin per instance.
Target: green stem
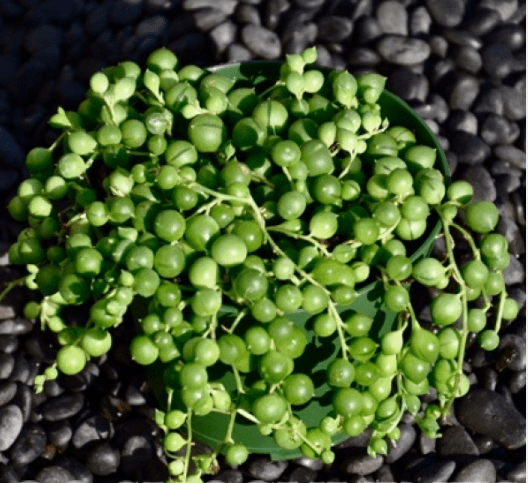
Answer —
(140, 153)
(298, 236)
(10, 286)
(248, 416)
(239, 385)
(269, 89)
(469, 239)
(348, 166)
(189, 444)
(57, 141)
(458, 277)
(498, 322)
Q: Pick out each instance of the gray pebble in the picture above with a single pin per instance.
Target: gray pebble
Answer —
(467, 58)
(510, 153)
(7, 363)
(392, 17)
(180, 25)
(456, 441)
(511, 231)
(361, 464)
(53, 474)
(497, 60)
(103, 459)
(230, 476)
(366, 29)
(246, 13)
(75, 467)
(42, 37)
(59, 433)
(435, 472)
(461, 37)
(482, 21)
(156, 26)
(273, 13)
(490, 414)
(62, 407)
(237, 52)
(7, 392)
(489, 378)
(484, 444)
(403, 50)
(479, 471)
(489, 100)
(261, 41)
(464, 92)
(448, 13)
(514, 105)
(126, 11)
(302, 474)
(505, 8)
(10, 425)
(8, 68)
(315, 465)
(192, 48)
(227, 6)
(461, 120)
(427, 445)
(25, 399)
(308, 3)
(333, 28)
(75, 42)
(420, 22)
(223, 36)
(363, 56)
(440, 107)
(11, 155)
(264, 469)
(93, 428)
(23, 370)
(299, 38)
(515, 346)
(515, 272)
(482, 182)
(136, 453)
(508, 182)
(407, 84)
(518, 473)
(469, 148)
(8, 179)
(511, 35)
(517, 381)
(62, 11)
(29, 446)
(97, 22)
(496, 129)
(438, 45)
(402, 445)
(208, 18)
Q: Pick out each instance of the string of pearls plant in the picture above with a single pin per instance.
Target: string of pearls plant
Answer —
(185, 191)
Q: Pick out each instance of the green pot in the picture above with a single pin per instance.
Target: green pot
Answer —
(211, 429)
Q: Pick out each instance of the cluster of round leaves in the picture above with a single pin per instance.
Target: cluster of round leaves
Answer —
(183, 190)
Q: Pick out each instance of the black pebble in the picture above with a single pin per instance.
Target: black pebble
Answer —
(483, 21)
(92, 429)
(490, 414)
(54, 474)
(469, 148)
(103, 459)
(29, 446)
(62, 407)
